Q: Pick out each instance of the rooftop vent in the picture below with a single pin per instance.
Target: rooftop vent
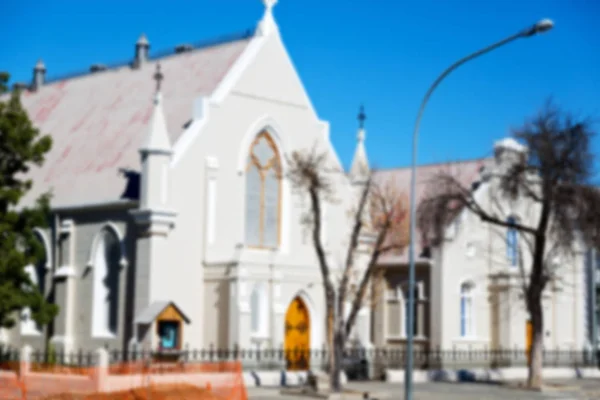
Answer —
(98, 68)
(182, 48)
(20, 86)
(142, 48)
(39, 75)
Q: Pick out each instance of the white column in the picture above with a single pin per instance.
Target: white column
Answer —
(25, 364)
(101, 374)
(234, 313)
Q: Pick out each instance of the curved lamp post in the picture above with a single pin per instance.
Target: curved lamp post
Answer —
(540, 27)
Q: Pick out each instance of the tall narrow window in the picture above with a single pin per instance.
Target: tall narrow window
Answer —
(415, 312)
(263, 193)
(259, 311)
(512, 242)
(107, 274)
(255, 310)
(37, 275)
(466, 310)
(394, 312)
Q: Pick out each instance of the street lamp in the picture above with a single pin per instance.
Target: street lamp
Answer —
(540, 27)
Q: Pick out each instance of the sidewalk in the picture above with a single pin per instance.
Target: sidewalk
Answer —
(569, 390)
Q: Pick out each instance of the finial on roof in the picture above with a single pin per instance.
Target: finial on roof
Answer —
(267, 23)
(142, 47)
(157, 140)
(40, 66)
(39, 75)
(158, 77)
(362, 117)
(269, 4)
(143, 40)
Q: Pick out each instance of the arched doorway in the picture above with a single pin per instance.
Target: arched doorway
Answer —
(297, 336)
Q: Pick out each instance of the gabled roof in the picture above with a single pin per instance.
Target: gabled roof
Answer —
(466, 172)
(150, 313)
(99, 121)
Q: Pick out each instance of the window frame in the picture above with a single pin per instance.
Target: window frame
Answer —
(276, 163)
(512, 242)
(467, 325)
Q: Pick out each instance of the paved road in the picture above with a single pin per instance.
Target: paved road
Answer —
(588, 389)
(564, 390)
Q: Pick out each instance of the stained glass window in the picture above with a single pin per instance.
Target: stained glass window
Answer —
(263, 193)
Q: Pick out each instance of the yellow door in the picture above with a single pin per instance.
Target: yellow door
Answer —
(528, 339)
(297, 336)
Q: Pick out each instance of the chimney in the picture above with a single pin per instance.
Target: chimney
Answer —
(39, 75)
(182, 48)
(141, 51)
(98, 68)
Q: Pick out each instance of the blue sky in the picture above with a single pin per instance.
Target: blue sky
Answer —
(384, 53)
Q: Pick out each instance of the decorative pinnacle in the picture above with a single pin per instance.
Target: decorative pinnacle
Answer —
(158, 77)
(143, 40)
(40, 66)
(362, 117)
(269, 4)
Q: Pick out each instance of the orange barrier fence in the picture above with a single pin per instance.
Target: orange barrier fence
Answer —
(126, 381)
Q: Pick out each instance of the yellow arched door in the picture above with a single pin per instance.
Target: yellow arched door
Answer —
(297, 336)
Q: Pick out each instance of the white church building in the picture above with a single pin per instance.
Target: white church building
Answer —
(173, 224)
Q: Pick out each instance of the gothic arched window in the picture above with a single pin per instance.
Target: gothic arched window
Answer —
(37, 275)
(107, 278)
(263, 193)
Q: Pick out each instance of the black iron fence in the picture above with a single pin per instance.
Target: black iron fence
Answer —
(356, 362)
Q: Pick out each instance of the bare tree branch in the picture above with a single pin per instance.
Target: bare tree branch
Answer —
(548, 175)
(381, 214)
(354, 236)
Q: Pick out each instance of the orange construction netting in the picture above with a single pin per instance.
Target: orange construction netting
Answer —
(126, 381)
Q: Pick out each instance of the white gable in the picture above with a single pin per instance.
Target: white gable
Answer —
(281, 84)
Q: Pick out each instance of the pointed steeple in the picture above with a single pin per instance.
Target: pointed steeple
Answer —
(360, 164)
(267, 23)
(157, 140)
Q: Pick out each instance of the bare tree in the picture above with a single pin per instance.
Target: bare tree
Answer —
(549, 179)
(377, 225)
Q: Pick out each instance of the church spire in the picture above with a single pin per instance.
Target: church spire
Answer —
(157, 140)
(267, 23)
(360, 164)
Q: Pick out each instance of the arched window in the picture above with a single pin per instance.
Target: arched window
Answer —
(107, 278)
(466, 309)
(259, 311)
(37, 275)
(512, 242)
(263, 193)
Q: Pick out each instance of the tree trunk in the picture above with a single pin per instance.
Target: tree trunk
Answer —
(534, 380)
(337, 358)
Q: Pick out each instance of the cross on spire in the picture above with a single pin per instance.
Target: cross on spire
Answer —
(158, 77)
(269, 4)
(362, 117)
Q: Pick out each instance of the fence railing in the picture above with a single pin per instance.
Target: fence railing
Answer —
(318, 359)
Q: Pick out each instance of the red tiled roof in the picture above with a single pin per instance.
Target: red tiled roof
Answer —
(465, 171)
(98, 121)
